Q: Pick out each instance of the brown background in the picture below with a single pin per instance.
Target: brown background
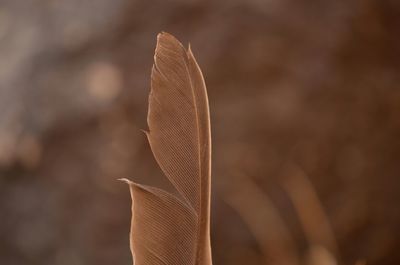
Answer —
(305, 109)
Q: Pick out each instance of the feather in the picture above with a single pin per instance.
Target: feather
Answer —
(167, 229)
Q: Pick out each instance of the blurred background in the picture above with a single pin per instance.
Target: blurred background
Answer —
(305, 108)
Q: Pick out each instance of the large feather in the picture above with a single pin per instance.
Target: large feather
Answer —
(167, 229)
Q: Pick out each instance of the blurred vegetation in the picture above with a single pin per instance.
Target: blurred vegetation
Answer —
(305, 107)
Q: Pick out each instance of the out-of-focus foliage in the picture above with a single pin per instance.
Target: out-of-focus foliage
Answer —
(305, 109)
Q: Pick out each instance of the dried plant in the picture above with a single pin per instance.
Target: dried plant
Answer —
(322, 246)
(167, 229)
(277, 244)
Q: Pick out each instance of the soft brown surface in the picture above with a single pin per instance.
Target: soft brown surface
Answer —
(300, 92)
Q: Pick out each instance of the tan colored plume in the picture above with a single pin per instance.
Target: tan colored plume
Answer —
(167, 229)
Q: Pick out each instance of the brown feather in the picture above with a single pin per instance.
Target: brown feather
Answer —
(167, 229)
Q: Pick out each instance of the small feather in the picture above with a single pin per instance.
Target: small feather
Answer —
(167, 229)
